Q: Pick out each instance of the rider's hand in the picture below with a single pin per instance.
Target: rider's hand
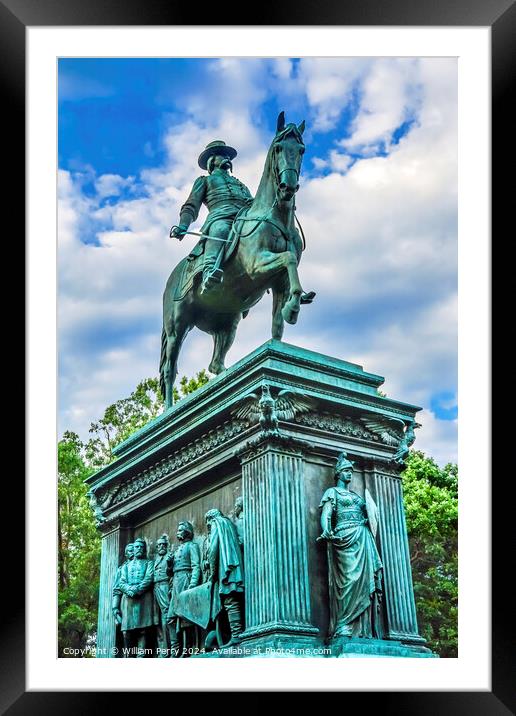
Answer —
(178, 232)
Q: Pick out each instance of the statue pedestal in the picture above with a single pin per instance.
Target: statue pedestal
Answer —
(343, 647)
(277, 596)
(204, 452)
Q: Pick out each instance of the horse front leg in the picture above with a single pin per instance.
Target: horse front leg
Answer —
(290, 310)
(278, 301)
(286, 261)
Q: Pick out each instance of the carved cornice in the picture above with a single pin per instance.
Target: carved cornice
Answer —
(351, 398)
(282, 352)
(104, 498)
(186, 455)
(109, 525)
(268, 440)
(337, 424)
(383, 466)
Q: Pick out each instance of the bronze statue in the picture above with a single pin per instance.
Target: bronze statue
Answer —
(162, 573)
(135, 583)
(408, 439)
(393, 431)
(238, 519)
(224, 569)
(268, 411)
(354, 565)
(186, 574)
(224, 195)
(261, 249)
(117, 594)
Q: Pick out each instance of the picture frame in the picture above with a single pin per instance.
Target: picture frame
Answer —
(501, 17)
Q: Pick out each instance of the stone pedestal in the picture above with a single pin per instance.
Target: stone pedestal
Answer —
(112, 548)
(277, 597)
(399, 593)
(206, 451)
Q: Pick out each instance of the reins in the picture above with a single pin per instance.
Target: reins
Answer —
(267, 219)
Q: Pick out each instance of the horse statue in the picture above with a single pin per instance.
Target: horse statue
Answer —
(263, 252)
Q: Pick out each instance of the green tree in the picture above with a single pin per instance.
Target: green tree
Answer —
(431, 508)
(78, 548)
(128, 415)
(78, 538)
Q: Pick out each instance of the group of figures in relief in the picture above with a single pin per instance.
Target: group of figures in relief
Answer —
(192, 595)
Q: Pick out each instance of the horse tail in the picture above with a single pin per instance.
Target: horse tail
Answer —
(162, 361)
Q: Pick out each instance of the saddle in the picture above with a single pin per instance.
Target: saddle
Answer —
(192, 265)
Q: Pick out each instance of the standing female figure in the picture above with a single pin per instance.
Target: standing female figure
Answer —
(354, 565)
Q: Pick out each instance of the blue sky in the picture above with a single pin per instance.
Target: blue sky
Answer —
(377, 202)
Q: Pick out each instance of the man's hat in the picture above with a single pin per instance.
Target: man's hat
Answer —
(216, 147)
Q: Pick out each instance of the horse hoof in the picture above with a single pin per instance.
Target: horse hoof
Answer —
(308, 297)
(290, 315)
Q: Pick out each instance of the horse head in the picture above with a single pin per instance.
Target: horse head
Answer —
(285, 157)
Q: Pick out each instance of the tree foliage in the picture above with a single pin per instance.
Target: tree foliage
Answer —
(78, 538)
(78, 548)
(431, 508)
(128, 415)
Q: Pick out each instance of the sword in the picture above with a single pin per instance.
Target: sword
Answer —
(196, 233)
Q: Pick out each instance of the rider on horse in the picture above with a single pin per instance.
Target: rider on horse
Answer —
(224, 195)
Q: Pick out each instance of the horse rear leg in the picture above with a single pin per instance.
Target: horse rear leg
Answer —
(174, 342)
(222, 342)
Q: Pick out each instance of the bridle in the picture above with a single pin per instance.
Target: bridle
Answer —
(266, 218)
(281, 171)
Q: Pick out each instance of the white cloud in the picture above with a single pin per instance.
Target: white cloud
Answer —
(381, 240)
(390, 96)
(340, 162)
(112, 184)
(329, 85)
(437, 438)
(320, 163)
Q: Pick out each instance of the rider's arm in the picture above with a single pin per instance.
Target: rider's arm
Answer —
(191, 207)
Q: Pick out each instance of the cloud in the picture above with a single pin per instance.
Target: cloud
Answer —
(437, 438)
(381, 235)
(112, 185)
(329, 84)
(390, 95)
(339, 162)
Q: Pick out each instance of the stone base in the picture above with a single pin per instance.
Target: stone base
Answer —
(204, 453)
(350, 648)
(288, 646)
(281, 646)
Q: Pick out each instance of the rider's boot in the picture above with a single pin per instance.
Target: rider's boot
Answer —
(211, 278)
(212, 274)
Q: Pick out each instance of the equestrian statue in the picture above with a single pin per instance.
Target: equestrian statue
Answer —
(247, 246)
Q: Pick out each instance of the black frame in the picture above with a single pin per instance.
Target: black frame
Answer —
(500, 15)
